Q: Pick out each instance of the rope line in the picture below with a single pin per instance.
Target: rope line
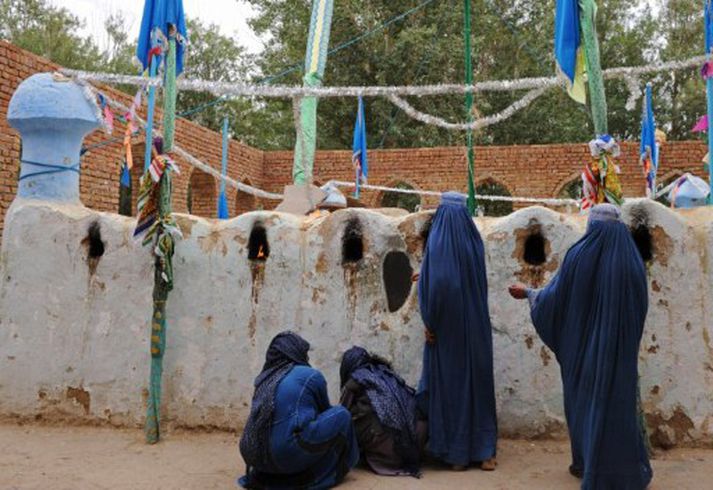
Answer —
(52, 169)
(532, 200)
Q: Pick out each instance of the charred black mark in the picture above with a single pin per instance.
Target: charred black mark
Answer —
(94, 245)
(258, 246)
(534, 250)
(352, 243)
(425, 231)
(397, 279)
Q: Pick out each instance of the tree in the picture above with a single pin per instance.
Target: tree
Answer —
(511, 39)
(48, 31)
(213, 56)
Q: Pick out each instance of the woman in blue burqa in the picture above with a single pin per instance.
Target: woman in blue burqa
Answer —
(293, 437)
(591, 315)
(456, 391)
(383, 409)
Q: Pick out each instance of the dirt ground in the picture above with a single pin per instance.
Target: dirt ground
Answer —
(35, 457)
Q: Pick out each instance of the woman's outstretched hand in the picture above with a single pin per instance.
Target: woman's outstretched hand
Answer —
(518, 291)
(415, 276)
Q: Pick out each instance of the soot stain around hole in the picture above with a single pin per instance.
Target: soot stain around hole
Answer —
(258, 246)
(397, 273)
(425, 231)
(94, 245)
(642, 239)
(534, 249)
(641, 233)
(352, 243)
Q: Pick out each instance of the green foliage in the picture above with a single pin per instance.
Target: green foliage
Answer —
(409, 202)
(49, 31)
(510, 38)
(493, 208)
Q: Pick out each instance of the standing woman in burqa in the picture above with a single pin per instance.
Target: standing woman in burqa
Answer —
(456, 391)
(293, 438)
(591, 315)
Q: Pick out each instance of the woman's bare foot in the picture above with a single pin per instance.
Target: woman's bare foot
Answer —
(489, 464)
(575, 471)
(457, 467)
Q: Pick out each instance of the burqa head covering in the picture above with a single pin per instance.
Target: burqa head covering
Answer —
(286, 350)
(393, 401)
(592, 316)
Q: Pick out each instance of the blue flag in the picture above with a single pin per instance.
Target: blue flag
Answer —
(159, 14)
(125, 176)
(568, 53)
(649, 150)
(708, 19)
(359, 155)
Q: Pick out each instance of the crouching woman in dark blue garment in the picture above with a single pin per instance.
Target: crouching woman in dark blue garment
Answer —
(293, 438)
(591, 315)
(390, 435)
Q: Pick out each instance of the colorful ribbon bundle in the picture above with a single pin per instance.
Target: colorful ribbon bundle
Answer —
(148, 199)
(600, 178)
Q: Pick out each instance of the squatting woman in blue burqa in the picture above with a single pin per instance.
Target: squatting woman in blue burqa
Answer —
(456, 390)
(293, 437)
(383, 408)
(591, 315)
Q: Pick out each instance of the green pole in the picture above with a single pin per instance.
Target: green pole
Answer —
(595, 79)
(163, 283)
(169, 97)
(315, 62)
(472, 206)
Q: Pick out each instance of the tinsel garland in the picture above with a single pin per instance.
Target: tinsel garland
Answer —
(281, 91)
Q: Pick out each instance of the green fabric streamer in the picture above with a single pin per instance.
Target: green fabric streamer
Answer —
(315, 62)
(472, 205)
(169, 98)
(163, 284)
(595, 79)
(306, 143)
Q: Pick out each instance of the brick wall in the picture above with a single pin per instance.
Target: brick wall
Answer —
(99, 181)
(526, 171)
(532, 171)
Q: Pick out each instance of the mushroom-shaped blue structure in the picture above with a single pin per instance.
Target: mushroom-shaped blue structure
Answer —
(53, 116)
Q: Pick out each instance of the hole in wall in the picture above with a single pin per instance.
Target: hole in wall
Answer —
(397, 273)
(94, 245)
(352, 242)
(258, 246)
(641, 233)
(643, 241)
(534, 249)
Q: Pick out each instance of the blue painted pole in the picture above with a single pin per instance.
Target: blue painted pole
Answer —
(222, 198)
(224, 162)
(150, 112)
(709, 93)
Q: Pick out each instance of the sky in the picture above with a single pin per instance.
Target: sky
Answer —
(230, 16)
